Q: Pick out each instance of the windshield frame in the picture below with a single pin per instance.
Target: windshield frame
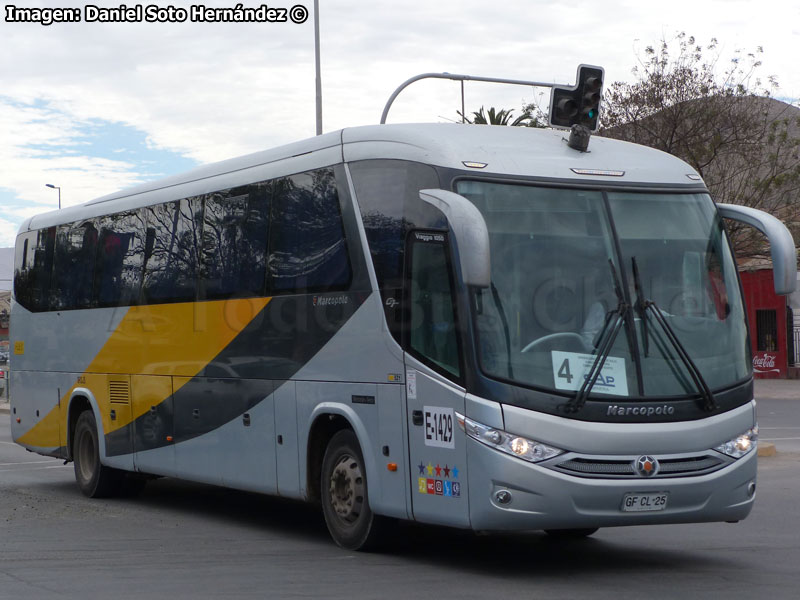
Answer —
(630, 334)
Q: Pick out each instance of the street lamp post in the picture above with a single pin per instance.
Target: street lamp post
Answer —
(319, 74)
(55, 187)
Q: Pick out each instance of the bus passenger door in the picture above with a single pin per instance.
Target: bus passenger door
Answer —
(438, 456)
(433, 363)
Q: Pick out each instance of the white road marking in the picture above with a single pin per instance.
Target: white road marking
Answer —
(34, 469)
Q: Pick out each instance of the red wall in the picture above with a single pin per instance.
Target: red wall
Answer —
(759, 294)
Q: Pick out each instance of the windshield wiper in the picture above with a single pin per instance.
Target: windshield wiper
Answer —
(643, 305)
(605, 341)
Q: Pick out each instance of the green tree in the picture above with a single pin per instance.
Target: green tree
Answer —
(530, 117)
(726, 125)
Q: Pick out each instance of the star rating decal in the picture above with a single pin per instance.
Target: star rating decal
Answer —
(438, 470)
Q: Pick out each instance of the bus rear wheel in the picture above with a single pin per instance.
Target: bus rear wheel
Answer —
(345, 502)
(94, 479)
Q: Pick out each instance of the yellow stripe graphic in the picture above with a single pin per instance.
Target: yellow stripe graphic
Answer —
(164, 339)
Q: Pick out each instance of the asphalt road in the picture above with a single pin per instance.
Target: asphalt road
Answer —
(181, 540)
(778, 402)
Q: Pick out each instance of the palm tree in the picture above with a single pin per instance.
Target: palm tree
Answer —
(503, 117)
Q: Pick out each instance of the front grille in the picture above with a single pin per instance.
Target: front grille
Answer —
(622, 468)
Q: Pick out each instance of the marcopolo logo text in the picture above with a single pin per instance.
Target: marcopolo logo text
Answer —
(614, 410)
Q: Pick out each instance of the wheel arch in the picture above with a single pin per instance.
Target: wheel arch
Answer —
(80, 400)
(325, 421)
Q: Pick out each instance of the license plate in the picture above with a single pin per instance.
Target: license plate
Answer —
(651, 501)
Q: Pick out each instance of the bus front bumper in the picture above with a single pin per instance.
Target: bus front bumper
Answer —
(507, 493)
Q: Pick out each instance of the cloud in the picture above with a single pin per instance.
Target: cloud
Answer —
(207, 92)
(8, 231)
(44, 145)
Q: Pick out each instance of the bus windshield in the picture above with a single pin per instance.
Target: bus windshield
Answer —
(566, 262)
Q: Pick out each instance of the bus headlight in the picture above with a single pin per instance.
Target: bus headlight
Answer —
(741, 444)
(515, 445)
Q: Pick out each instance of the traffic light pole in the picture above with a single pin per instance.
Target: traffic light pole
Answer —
(461, 78)
(574, 107)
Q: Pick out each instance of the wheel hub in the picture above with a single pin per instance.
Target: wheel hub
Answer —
(347, 489)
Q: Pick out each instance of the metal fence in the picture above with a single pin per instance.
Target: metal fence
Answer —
(796, 353)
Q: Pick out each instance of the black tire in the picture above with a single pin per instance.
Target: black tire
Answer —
(94, 479)
(571, 534)
(345, 502)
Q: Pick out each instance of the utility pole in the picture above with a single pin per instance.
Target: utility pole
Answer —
(319, 76)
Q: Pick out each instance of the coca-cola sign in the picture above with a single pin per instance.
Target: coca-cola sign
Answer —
(764, 362)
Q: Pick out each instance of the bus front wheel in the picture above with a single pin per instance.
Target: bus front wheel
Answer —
(345, 502)
(94, 479)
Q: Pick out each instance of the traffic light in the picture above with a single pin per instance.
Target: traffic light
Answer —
(580, 104)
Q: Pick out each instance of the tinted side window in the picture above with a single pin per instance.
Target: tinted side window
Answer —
(33, 269)
(76, 247)
(388, 196)
(23, 269)
(307, 244)
(235, 228)
(120, 257)
(172, 251)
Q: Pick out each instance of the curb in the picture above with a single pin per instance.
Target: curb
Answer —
(4, 408)
(766, 449)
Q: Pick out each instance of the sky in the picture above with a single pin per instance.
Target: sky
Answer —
(94, 107)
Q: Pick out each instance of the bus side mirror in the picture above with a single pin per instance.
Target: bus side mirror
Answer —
(784, 255)
(470, 233)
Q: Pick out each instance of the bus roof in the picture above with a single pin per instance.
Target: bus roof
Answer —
(506, 152)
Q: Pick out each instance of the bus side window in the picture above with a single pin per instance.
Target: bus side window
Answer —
(170, 271)
(308, 251)
(235, 229)
(23, 270)
(388, 197)
(120, 257)
(33, 272)
(432, 331)
(75, 253)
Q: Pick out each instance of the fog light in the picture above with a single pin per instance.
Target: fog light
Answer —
(751, 489)
(503, 497)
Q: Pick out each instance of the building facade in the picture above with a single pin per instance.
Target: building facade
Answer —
(773, 328)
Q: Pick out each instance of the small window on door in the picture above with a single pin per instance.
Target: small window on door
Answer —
(432, 331)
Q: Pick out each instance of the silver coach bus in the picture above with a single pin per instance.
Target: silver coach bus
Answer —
(471, 326)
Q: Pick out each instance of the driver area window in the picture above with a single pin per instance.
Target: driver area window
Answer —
(432, 331)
